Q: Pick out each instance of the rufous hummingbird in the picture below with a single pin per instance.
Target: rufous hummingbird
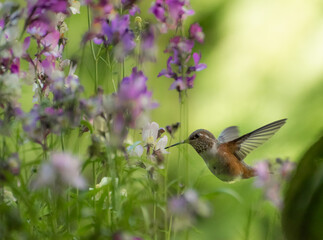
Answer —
(224, 156)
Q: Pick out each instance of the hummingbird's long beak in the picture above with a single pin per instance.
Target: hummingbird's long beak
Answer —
(185, 141)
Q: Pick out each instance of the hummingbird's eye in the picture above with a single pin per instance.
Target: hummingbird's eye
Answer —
(196, 135)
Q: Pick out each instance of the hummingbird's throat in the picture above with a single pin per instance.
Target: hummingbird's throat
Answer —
(202, 146)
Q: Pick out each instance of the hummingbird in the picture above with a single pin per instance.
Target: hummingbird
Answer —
(224, 156)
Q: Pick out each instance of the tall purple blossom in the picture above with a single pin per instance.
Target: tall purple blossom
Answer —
(118, 33)
(40, 13)
(178, 67)
(148, 48)
(129, 106)
(112, 29)
(171, 13)
(134, 97)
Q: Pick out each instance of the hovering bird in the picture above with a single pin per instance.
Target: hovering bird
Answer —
(224, 156)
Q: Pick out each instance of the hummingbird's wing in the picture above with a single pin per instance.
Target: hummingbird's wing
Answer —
(248, 142)
(228, 134)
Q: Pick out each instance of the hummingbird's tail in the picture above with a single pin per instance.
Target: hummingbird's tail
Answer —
(248, 172)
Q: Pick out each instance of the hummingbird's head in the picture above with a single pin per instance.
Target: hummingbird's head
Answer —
(201, 140)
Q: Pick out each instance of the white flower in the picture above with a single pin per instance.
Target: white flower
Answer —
(104, 182)
(136, 151)
(161, 144)
(150, 133)
(149, 136)
(74, 6)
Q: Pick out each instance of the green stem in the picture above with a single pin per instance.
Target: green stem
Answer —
(94, 55)
(166, 194)
(155, 215)
(170, 228)
(62, 141)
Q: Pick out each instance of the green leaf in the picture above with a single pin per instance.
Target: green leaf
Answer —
(226, 191)
(302, 216)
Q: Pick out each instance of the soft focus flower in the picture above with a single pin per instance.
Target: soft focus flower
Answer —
(154, 145)
(74, 6)
(41, 121)
(171, 13)
(9, 166)
(40, 14)
(132, 100)
(63, 169)
(171, 129)
(196, 33)
(10, 89)
(135, 150)
(187, 208)
(124, 236)
(105, 181)
(119, 34)
(148, 47)
(50, 44)
(271, 180)
(8, 198)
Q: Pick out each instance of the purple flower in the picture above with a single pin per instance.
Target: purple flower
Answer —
(130, 4)
(197, 65)
(159, 10)
(170, 13)
(40, 27)
(271, 180)
(130, 103)
(171, 129)
(63, 169)
(41, 121)
(134, 10)
(196, 33)
(50, 44)
(39, 21)
(168, 72)
(178, 84)
(181, 50)
(148, 48)
(178, 10)
(40, 6)
(119, 34)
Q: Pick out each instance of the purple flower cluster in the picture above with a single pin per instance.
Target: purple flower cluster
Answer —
(10, 74)
(112, 28)
(177, 64)
(171, 13)
(57, 89)
(130, 103)
(271, 178)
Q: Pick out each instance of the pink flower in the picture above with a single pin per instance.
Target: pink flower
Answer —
(62, 169)
(196, 32)
(272, 181)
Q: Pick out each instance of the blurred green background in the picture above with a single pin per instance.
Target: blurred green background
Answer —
(265, 62)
